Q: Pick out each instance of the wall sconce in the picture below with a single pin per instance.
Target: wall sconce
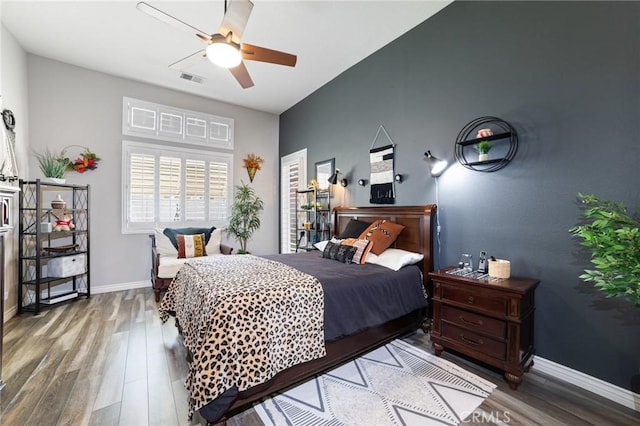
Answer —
(362, 182)
(398, 178)
(333, 179)
(436, 165)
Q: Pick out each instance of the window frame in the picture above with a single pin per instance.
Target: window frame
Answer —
(185, 116)
(157, 150)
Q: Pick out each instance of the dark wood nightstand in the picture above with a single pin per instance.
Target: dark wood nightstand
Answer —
(488, 320)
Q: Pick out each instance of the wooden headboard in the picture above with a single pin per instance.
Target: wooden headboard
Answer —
(417, 235)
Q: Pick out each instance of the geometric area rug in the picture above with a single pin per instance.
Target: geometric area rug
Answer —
(396, 384)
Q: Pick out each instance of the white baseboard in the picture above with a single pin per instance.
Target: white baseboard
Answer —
(119, 287)
(592, 384)
(10, 313)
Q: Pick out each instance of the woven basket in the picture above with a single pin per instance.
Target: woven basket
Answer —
(499, 268)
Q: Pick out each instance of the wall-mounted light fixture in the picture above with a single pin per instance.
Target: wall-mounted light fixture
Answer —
(398, 178)
(333, 179)
(362, 182)
(436, 165)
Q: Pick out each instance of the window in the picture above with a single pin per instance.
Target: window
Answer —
(177, 187)
(294, 175)
(156, 121)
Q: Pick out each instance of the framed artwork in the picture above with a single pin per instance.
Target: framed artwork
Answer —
(324, 170)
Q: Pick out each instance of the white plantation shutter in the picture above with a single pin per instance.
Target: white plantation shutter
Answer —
(166, 186)
(142, 189)
(293, 176)
(218, 191)
(170, 188)
(195, 190)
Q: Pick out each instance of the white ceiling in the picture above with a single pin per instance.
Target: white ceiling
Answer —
(115, 38)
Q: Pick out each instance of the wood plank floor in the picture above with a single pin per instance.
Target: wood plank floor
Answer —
(109, 361)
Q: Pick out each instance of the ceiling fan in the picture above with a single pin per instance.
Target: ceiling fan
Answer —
(224, 47)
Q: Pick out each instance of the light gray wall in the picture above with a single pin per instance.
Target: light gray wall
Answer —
(566, 75)
(13, 88)
(69, 105)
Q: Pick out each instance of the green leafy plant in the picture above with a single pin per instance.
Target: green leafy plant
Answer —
(613, 235)
(52, 164)
(482, 147)
(245, 215)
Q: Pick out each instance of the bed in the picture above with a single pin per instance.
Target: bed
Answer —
(341, 339)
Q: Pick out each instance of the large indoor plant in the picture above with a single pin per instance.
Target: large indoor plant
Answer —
(613, 236)
(245, 215)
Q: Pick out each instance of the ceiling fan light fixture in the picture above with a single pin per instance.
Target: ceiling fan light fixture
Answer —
(223, 53)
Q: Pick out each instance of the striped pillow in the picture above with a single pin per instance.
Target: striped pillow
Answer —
(191, 245)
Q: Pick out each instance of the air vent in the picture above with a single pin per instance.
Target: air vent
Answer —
(191, 77)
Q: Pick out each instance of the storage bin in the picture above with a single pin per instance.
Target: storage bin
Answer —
(66, 266)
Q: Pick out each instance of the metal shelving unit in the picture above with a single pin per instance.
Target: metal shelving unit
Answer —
(37, 288)
(313, 209)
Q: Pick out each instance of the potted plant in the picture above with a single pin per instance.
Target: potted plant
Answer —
(245, 215)
(53, 165)
(613, 235)
(482, 148)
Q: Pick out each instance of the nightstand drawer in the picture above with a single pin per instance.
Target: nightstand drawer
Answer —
(475, 341)
(473, 321)
(475, 298)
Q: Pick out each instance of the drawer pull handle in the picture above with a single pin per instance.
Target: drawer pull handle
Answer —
(471, 342)
(477, 324)
(470, 299)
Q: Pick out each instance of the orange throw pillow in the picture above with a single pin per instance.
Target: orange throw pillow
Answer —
(382, 233)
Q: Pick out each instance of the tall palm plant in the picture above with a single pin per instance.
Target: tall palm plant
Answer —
(245, 215)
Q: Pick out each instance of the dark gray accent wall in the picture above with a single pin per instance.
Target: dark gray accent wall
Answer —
(566, 75)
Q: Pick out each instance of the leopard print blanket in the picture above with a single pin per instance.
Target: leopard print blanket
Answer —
(244, 319)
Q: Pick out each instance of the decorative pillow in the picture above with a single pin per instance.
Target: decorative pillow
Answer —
(382, 233)
(164, 247)
(354, 228)
(320, 245)
(336, 251)
(345, 253)
(191, 246)
(362, 249)
(331, 250)
(395, 259)
(213, 246)
(172, 232)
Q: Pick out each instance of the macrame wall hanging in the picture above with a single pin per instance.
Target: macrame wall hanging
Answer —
(382, 159)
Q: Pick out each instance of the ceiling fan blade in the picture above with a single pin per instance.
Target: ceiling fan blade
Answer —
(235, 18)
(174, 22)
(262, 54)
(242, 75)
(187, 61)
